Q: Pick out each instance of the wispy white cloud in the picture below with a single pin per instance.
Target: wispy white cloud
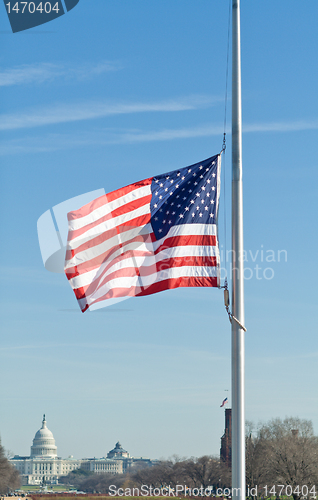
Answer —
(100, 137)
(56, 142)
(41, 72)
(167, 134)
(64, 113)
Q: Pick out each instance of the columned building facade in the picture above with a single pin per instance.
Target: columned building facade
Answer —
(43, 466)
(119, 454)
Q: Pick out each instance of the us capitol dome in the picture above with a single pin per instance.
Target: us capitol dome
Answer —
(44, 443)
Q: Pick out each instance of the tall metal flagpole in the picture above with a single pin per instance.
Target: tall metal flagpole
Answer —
(238, 410)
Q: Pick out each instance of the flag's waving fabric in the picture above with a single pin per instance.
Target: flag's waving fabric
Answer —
(224, 402)
(156, 234)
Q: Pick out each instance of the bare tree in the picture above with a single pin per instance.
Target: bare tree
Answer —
(76, 477)
(283, 452)
(100, 483)
(207, 471)
(9, 476)
(192, 472)
(258, 469)
(157, 476)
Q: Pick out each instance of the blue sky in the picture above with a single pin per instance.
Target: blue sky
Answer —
(114, 92)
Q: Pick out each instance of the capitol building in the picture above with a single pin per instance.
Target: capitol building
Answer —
(43, 466)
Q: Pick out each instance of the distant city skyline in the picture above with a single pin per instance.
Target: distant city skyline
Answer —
(114, 92)
(44, 466)
(36, 451)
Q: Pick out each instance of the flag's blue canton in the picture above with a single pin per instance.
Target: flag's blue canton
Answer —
(185, 196)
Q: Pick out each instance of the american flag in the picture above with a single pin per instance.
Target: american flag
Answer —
(150, 236)
(224, 402)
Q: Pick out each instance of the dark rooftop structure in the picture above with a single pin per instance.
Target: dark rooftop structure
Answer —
(226, 441)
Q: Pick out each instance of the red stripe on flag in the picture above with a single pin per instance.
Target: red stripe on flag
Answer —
(90, 265)
(179, 282)
(176, 241)
(106, 198)
(188, 239)
(157, 287)
(156, 267)
(124, 209)
(106, 235)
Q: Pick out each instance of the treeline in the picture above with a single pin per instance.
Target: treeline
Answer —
(192, 472)
(9, 476)
(280, 452)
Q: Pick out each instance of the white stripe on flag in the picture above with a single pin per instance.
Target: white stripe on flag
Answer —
(116, 241)
(146, 260)
(109, 207)
(109, 224)
(146, 281)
